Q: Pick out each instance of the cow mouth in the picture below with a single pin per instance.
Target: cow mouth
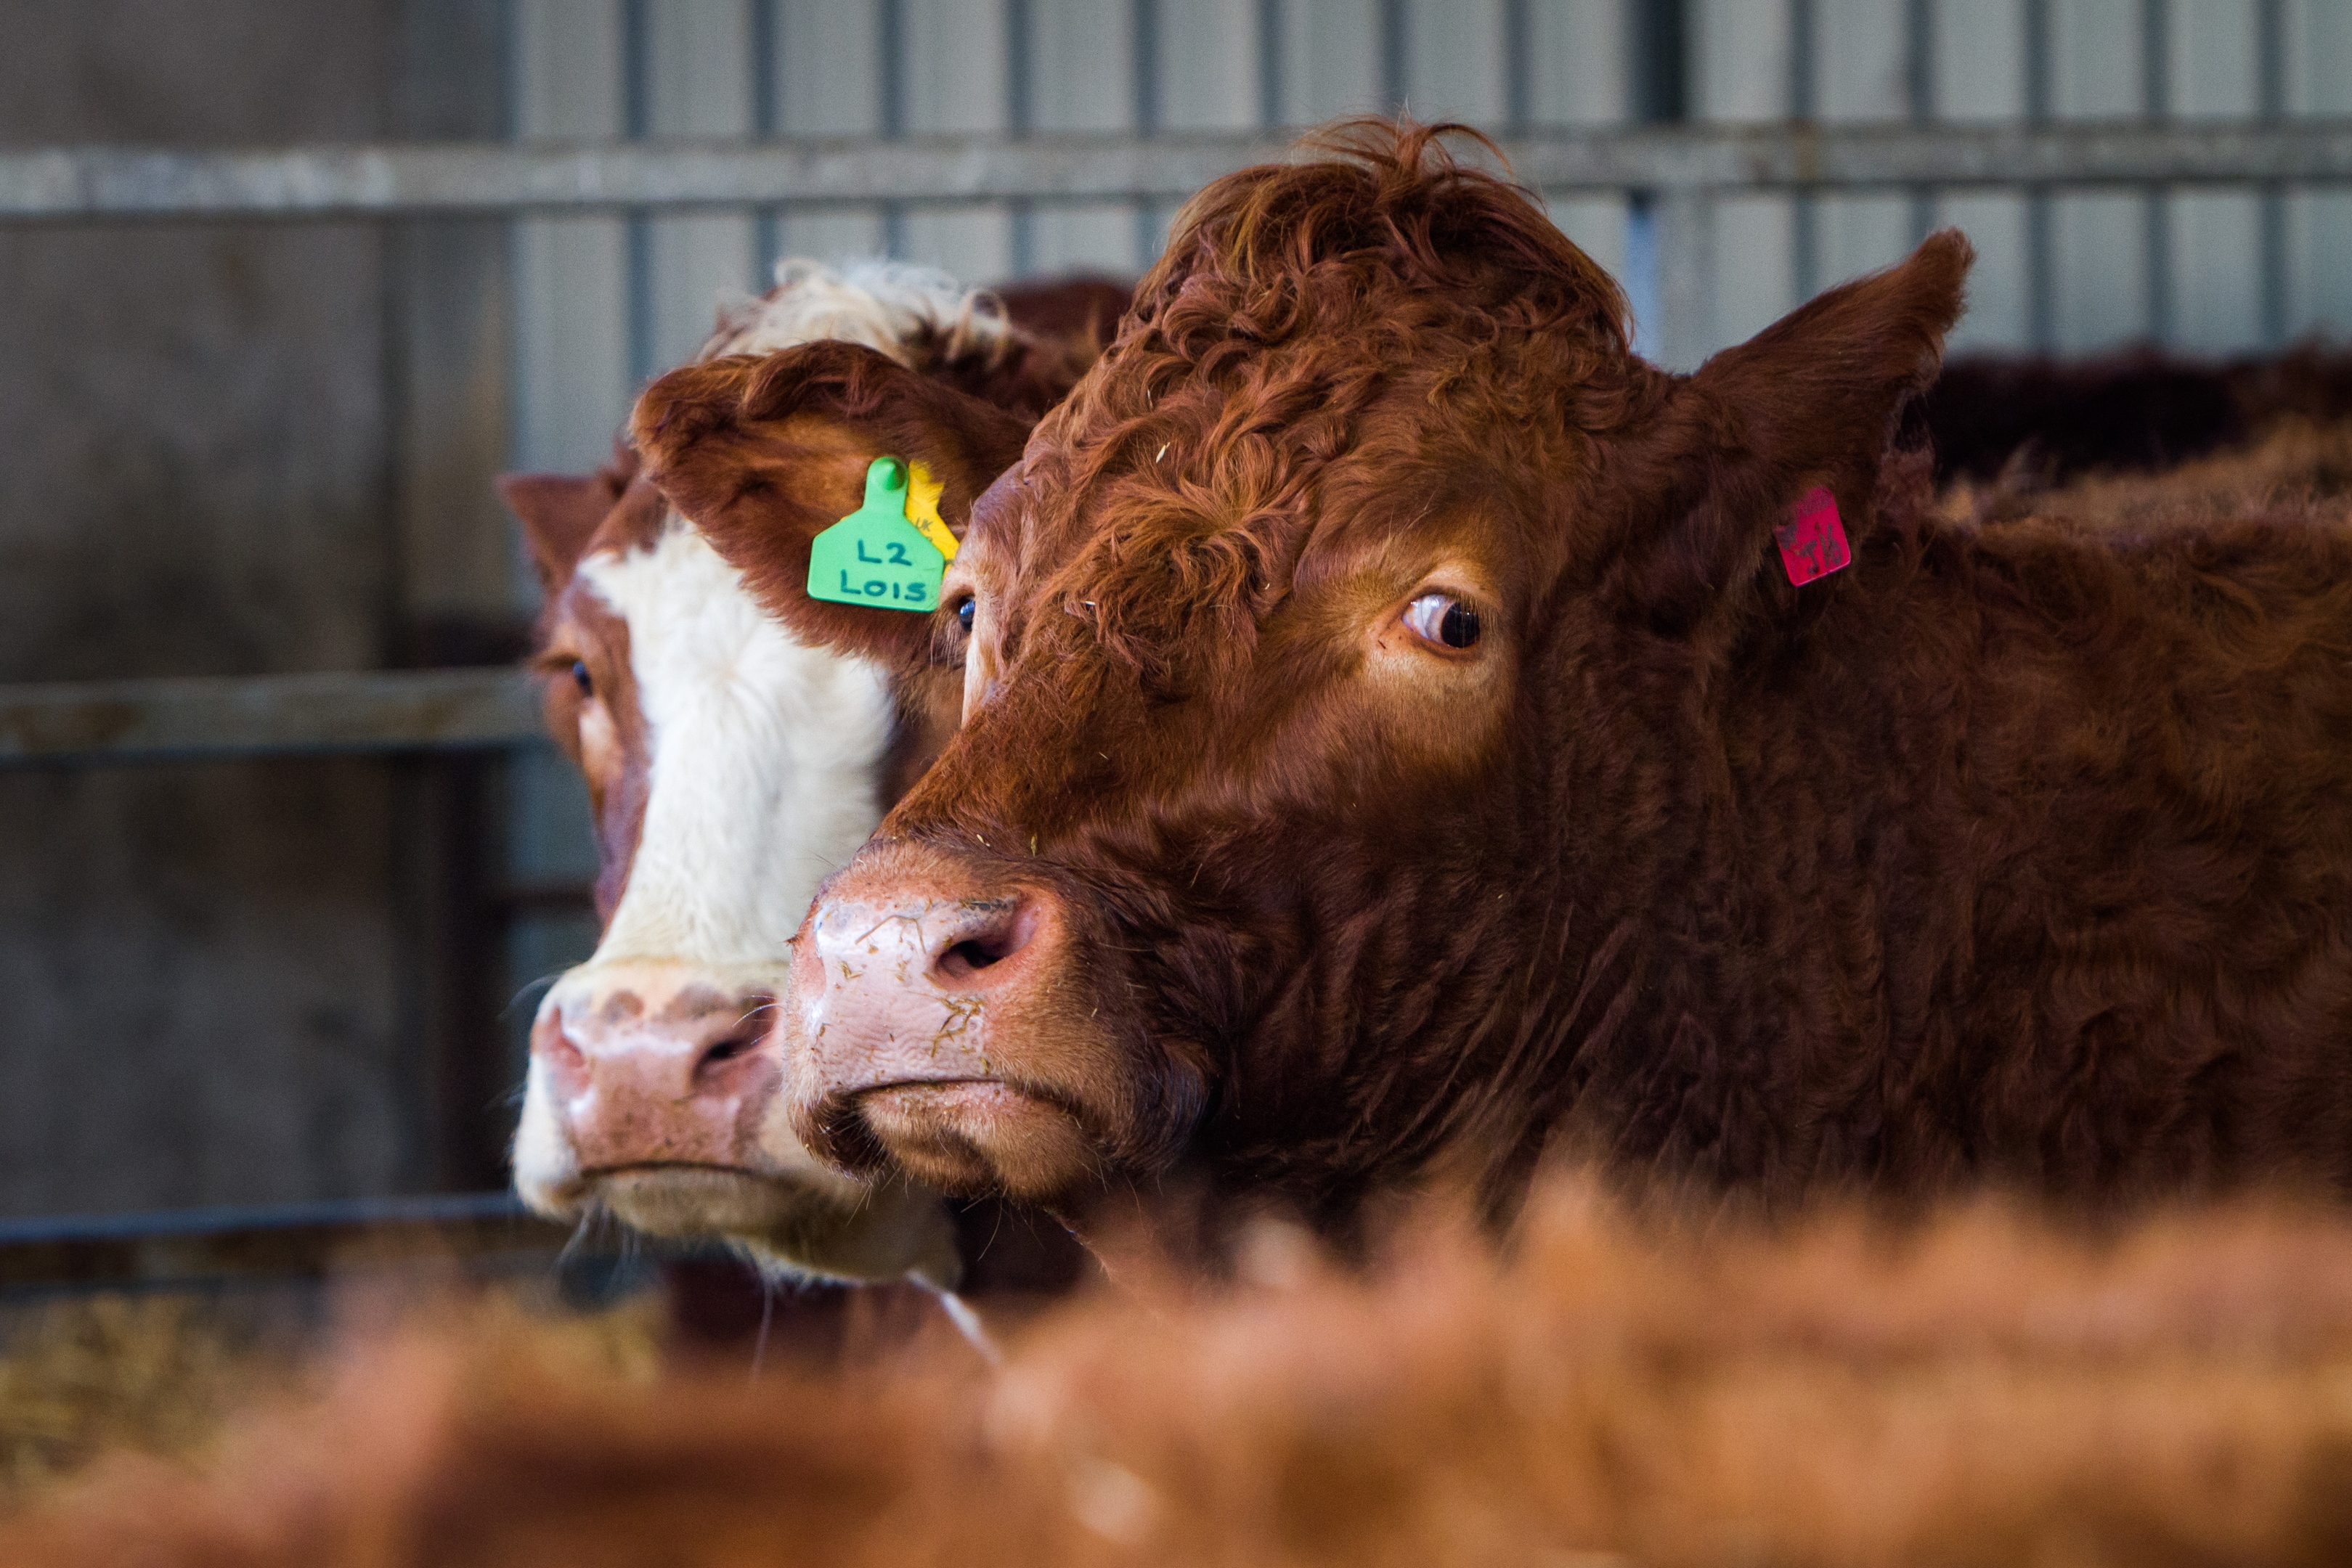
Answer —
(977, 1137)
(687, 1199)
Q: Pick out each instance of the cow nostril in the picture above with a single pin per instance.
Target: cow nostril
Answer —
(968, 958)
(719, 1053)
(989, 946)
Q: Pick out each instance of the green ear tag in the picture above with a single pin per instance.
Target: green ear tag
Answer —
(875, 556)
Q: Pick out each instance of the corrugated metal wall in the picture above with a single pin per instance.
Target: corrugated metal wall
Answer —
(605, 301)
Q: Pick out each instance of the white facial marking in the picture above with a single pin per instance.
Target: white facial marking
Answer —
(766, 761)
(882, 304)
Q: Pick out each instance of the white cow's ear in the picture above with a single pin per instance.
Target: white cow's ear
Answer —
(764, 455)
(1812, 399)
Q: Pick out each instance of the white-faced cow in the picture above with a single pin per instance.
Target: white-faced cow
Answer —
(734, 758)
(1404, 730)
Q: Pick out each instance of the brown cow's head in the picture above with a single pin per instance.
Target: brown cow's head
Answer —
(1320, 643)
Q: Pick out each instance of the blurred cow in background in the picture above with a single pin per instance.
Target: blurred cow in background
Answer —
(1967, 1394)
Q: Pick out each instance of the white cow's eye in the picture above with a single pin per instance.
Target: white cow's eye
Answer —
(1442, 619)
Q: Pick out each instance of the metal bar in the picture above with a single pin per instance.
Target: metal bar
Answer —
(1020, 43)
(307, 1240)
(2270, 61)
(1269, 64)
(1685, 237)
(2155, 211)
(890, 22)
(394, 181)
(1804, 222)
(124, 721)
(1919, 96)
(2040, 266)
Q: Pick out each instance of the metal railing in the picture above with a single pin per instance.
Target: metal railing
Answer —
(180, 1246)
(86, 723)
(82, 183)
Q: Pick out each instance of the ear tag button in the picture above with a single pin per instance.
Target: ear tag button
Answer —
(1812, 541)
(878, 555)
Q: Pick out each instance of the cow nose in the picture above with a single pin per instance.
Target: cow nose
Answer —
(605, 1045)
(956, 940)
(936, 995)
(654, 1066)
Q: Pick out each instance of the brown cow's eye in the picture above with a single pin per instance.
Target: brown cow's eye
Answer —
(965, 609)
(1443, 619)
(581, 678)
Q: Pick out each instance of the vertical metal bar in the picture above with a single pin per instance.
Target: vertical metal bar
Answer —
(1270, 112)
(1519, 66)
(1019, 43)
(1919, 80)
(636, 119)
(1144, 25)
(2041, 289)
(2270, 67)
(510, 72)
(1685, 242)
(890, 20)
(1804, 216)
(767, 125)
(1395, 63)
(444, 805)
(1668, 234)
(1659, 35)
(2156, 103)
(1146, 28)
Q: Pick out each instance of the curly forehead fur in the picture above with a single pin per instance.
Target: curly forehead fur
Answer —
(1293, 304)
(891, 307)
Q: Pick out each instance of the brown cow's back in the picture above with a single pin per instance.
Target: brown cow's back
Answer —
(2034, 856)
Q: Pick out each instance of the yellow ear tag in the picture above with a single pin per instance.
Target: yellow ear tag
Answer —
(879, 555)
(923, 508)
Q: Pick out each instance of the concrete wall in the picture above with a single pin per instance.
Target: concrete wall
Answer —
(218, 461)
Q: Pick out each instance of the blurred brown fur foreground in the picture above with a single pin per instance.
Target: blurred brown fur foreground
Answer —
(1977, 1390)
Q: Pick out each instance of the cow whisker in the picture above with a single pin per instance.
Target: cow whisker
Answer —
(528, 987)
(974, 1332)
(767, 1318)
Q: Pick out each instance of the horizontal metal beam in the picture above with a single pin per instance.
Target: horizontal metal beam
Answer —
(397, 180)
(282, 1240)
(261, 715)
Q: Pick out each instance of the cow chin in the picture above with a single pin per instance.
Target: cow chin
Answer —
(805, 1223)
(976, 1136)
(686, 1200)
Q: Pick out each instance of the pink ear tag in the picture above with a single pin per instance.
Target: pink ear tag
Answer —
(1812, 541)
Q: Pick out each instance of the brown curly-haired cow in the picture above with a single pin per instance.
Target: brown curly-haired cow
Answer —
(1392, 743)
(1979, 1394)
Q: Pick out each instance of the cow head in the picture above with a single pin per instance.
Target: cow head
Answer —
(1322, 645)
(733, 759)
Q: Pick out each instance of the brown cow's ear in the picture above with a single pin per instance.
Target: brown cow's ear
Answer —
(1810, 399)
(764, 455)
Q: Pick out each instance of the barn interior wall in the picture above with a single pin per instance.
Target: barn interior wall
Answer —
(231, 449)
